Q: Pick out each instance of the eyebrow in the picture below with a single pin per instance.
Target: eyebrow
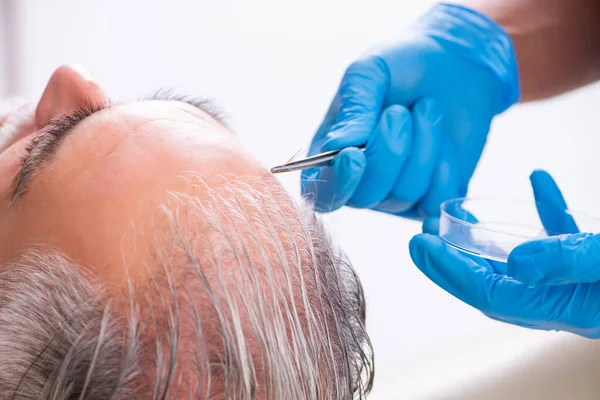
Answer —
(43, 147)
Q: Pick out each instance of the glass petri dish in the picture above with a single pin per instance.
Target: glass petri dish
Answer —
(491, 228)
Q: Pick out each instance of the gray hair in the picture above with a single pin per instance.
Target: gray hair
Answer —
(247, 299)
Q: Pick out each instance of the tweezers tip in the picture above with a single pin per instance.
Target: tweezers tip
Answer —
(282, 168)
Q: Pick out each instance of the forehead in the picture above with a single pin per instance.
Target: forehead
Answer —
(157, 132)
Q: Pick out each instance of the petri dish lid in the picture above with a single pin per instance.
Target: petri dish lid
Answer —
(492, 228)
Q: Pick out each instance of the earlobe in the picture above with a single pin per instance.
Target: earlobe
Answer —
(69, 88)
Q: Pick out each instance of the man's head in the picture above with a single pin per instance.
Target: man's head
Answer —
(146, 254)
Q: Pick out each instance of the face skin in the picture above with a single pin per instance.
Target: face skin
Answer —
(95, 200)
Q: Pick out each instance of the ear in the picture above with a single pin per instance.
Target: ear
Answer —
(69, 88)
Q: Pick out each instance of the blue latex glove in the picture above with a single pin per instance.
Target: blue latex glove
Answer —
(551, 284)
(423, 107)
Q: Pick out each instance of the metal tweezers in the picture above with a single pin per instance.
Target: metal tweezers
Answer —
(318, 160)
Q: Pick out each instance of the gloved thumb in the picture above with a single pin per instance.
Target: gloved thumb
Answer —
(557, 260)
(551, 205)
(361, 96)
(329, 188)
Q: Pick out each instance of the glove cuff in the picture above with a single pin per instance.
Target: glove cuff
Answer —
(475, 36)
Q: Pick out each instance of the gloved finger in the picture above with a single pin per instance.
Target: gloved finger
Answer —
(551, 205)
(572, 308)
(501, 296)
(361, 94)
(432, 226)
(386, 153)
(415, 177)
(329, 188)
(557, 260)
(443, 185)
(463, 277)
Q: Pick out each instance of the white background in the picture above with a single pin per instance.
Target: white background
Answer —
(273, 66)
